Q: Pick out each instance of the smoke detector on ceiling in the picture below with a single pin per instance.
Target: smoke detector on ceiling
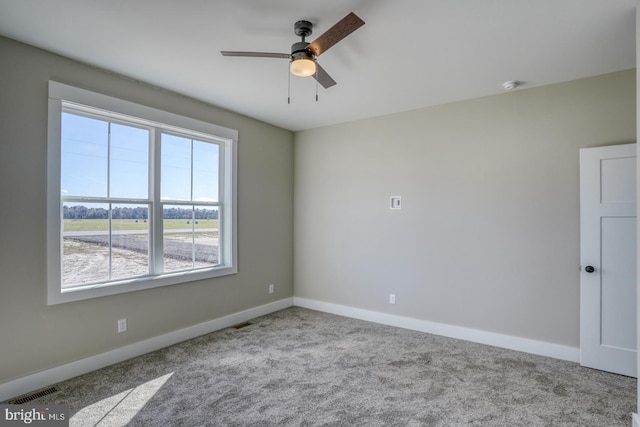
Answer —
(511, 84)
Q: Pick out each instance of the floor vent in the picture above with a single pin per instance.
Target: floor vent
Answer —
(33, 395)
(242, 325)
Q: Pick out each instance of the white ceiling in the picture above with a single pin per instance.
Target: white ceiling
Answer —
(409, 54)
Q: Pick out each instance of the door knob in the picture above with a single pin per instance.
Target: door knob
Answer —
(589, 269)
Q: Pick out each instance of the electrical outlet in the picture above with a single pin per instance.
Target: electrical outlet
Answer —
(122, 325)
(396, 202)
(272, 288)
(392, 298)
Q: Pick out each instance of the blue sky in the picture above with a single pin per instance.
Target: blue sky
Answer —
(85, 149)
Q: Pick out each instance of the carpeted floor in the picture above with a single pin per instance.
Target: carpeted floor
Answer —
(299, 367)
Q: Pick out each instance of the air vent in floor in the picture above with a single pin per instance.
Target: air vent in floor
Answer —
(242, 325)
(33, 395)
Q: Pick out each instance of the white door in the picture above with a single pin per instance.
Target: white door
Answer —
(608, 259)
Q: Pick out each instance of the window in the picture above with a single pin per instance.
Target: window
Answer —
(137, 197)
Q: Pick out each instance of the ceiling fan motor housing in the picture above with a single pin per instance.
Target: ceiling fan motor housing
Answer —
(299, 51)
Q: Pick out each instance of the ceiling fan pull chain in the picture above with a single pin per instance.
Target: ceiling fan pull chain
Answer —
(316, 84)
(288, 86)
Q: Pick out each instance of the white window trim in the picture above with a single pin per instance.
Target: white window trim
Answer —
(59, 93)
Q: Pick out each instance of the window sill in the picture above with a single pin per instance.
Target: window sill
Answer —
(78, 293)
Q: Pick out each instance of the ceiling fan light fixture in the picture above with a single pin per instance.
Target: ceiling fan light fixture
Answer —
(303, 67)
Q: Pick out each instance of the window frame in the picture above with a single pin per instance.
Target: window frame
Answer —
(62, 97)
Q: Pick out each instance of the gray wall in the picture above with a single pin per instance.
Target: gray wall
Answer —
(34, 336)
(488, 235)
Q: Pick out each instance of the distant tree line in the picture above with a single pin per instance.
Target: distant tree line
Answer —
(179, 213)
(83, 212)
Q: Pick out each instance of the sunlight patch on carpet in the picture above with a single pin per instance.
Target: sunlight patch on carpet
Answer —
(121, 408)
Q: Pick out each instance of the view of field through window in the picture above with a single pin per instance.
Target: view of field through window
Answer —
(107, 204)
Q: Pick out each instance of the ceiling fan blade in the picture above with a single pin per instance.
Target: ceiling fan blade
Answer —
(323, 77)
(255, 54)
(333, 35)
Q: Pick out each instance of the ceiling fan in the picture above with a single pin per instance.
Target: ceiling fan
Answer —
(303, 55)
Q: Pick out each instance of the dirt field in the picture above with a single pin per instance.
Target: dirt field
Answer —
(86, 259)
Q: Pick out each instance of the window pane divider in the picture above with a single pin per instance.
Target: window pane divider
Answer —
(189, 203)
(156, 239)
(73, 199)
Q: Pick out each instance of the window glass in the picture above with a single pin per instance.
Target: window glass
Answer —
(178, 226)
(205, 171)
(176, 168)
(85, 243)
(106, 234)
(84, 156)
(206, 236)
(103, 242)
(129, 162)
(191, 237)
(129, 241)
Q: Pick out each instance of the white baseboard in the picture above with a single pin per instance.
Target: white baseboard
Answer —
(41, 379)
(526, 345)
(635, 420)
(51, 376)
